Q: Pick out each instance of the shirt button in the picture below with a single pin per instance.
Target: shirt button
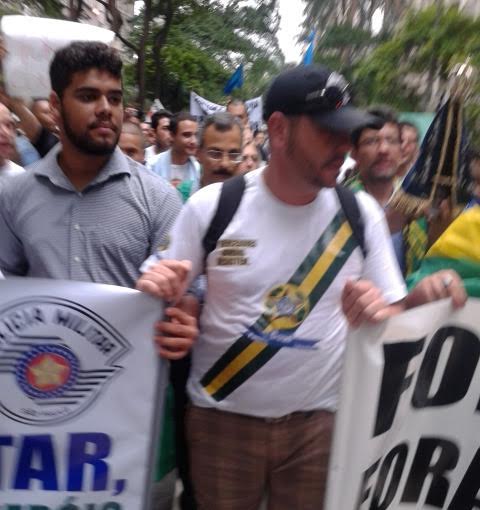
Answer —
(76, 226)
(77, 259)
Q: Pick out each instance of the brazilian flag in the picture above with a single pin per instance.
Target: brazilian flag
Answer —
(458, 248)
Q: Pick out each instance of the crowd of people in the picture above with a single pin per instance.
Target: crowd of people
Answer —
(263, 259)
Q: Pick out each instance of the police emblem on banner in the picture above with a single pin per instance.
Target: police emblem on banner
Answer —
(55, 358)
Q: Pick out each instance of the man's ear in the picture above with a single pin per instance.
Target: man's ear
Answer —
(278, 129)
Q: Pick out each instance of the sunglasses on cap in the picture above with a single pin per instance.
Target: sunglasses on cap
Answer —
(331, 97)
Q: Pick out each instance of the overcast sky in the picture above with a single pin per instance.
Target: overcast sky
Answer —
(291, 12)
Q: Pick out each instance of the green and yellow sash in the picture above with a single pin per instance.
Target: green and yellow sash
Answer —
(305, 288)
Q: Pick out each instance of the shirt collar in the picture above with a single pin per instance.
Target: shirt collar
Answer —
(48, 167)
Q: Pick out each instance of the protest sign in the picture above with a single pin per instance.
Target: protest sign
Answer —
(80, 395)
(407, 429)
(201, 107)
(30, 44)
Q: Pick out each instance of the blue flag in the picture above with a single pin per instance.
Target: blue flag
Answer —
(235, 81)
(308, 56)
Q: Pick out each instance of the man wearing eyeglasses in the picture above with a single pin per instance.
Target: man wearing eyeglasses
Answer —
(220, 147)
(266, 368)
(378, 154)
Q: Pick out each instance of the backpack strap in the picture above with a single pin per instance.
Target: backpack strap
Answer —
(349, 204)
(230, 198)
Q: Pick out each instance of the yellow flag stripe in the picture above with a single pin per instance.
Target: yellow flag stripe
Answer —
(326, 259)
(235, 366)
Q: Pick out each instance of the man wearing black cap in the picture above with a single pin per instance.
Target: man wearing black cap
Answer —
(266, 369)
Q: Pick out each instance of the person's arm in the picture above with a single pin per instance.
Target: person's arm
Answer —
(12, 256)
(378, 294)
(28, 122)
(362, 302)
(166, 279)
(440, 285)
(167, 273)
(175, 337)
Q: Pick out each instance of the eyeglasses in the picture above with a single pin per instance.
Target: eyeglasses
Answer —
(332, 97)
(217, 155)
(375, 141)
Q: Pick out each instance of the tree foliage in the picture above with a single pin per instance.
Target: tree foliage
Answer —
(206, 41)
(323, 14)
(176, 46)
(424, 50)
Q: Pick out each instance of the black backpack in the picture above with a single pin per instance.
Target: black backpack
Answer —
(231, 196)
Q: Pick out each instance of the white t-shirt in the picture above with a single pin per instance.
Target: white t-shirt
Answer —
(151, 156)
(257, 269)
(179, 172)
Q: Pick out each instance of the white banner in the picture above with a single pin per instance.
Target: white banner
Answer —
(30, 44)
(201, 107)
(407, 433)
(80, 395)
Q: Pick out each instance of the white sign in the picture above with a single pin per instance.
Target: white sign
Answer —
(201, 107)
(30, 44)
(407, 433)
(80, 395)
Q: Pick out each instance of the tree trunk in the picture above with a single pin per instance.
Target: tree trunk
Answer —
(158, 43)
(75, 8)
(140, 70)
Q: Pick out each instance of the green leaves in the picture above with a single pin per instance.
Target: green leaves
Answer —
(206, 41)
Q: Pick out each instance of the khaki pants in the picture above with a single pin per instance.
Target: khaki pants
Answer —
(236, 459)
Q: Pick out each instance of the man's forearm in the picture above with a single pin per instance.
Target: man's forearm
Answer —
(28, 122)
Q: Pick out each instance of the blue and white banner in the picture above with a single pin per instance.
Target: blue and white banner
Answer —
(407, 431)
(81, 389)
(201, 107)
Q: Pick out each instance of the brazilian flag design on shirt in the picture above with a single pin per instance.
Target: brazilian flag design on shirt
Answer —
(304, 289)
(458, 248)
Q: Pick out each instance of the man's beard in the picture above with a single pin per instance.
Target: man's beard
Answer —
(372, 176)
(84, 143)
(311, 175)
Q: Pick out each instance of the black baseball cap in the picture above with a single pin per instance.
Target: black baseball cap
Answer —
(322, 94)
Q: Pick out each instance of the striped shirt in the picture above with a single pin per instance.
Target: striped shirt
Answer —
(48, 229)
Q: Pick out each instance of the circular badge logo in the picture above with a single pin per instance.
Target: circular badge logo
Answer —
(56, 358)
(286, 306)
(47, 371)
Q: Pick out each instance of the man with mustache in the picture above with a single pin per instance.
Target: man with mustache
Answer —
(220, 147)
(266, 369)
(378, 155)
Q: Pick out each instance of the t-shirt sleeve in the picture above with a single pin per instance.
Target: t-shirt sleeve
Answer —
(186, 236)
(381, 266)
(45, 142)
(12, 256)
(164, 218)
(186, 240)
